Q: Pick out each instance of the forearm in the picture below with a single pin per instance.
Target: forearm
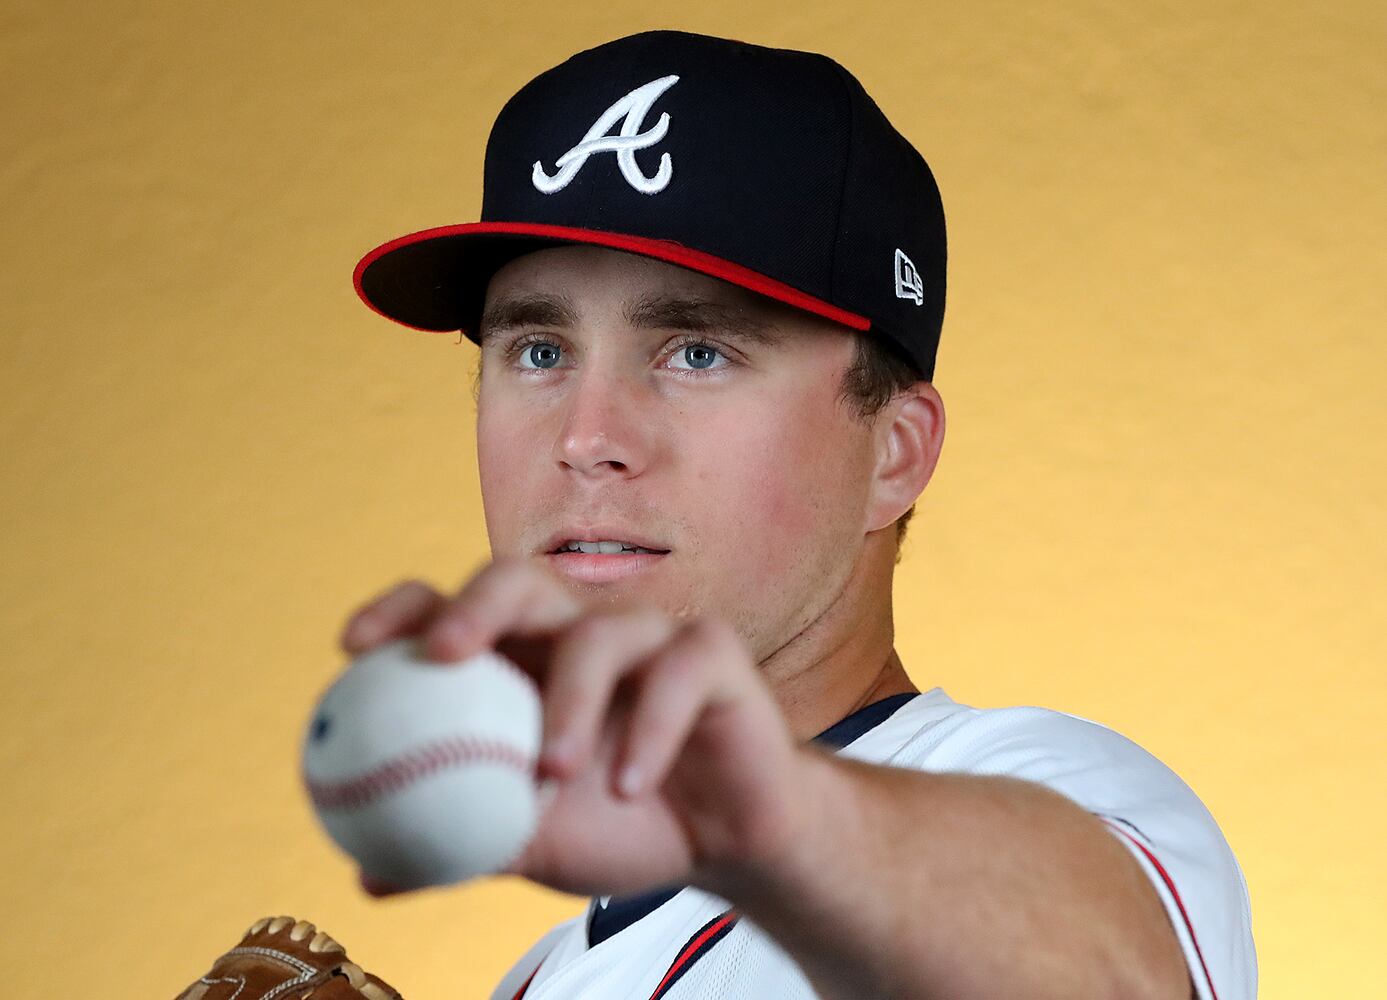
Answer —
(908, 884)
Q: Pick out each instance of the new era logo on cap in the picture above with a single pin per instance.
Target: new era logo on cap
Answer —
(772, 169)
(908, 283)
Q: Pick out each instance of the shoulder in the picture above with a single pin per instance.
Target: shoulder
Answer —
(1144, 804)
(1028, 742)
(1099, 768)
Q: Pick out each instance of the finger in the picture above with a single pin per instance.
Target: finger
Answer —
(509, 595)
(674, 691)
(588, 661)
(401, 610)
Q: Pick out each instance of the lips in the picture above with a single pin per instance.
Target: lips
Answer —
(601, 567)
(600, 533)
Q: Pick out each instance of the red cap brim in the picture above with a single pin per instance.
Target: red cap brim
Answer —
(429, 304)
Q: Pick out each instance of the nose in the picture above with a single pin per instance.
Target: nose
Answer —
(607, 426)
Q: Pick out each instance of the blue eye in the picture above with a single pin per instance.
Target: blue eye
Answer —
(705, 351)
(535, 354)
(542, 349)
(320, 728)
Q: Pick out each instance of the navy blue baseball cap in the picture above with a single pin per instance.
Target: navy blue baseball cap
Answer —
(768, 168)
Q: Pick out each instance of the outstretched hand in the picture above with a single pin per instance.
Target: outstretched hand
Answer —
(671, 758)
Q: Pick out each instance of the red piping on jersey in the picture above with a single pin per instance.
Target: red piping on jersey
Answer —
(521, 992)
(667, 250)
(691, 949)
(1170, 884)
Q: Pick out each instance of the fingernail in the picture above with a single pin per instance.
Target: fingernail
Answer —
(630, 781)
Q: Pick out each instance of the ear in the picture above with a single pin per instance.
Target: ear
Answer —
(908, 437)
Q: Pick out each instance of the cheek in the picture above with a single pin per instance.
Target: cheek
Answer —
(504, 448)
(787, 495)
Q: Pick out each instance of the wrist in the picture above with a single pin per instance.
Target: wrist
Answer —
(785, 845)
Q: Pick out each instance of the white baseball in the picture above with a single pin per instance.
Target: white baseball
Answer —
(424, 772)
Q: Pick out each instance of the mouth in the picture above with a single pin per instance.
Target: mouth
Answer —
(606, 548)
(604, 560)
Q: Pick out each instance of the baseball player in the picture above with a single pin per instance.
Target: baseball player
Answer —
(707, 288)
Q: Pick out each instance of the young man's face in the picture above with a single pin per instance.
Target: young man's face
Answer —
(673, 409)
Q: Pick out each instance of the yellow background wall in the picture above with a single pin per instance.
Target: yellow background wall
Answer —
(1161, 502)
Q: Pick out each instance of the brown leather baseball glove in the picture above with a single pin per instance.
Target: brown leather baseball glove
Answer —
(281, 958)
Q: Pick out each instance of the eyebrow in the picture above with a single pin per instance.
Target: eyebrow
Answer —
(651, 312)
(526, 310)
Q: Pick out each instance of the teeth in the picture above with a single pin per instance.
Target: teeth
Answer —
(603, 547)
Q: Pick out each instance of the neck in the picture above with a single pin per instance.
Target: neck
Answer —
(845, 659)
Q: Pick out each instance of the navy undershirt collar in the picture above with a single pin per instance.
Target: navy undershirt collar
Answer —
(863, 721)
(622, 911)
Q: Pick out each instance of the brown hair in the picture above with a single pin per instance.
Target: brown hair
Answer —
(877, 373)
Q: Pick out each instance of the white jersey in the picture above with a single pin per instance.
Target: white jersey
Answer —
(683, 943)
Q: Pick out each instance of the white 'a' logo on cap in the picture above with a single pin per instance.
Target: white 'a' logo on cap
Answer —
(908, 283)
(630, 111)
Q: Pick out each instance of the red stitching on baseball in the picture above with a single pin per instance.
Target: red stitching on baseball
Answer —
(398, 772)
